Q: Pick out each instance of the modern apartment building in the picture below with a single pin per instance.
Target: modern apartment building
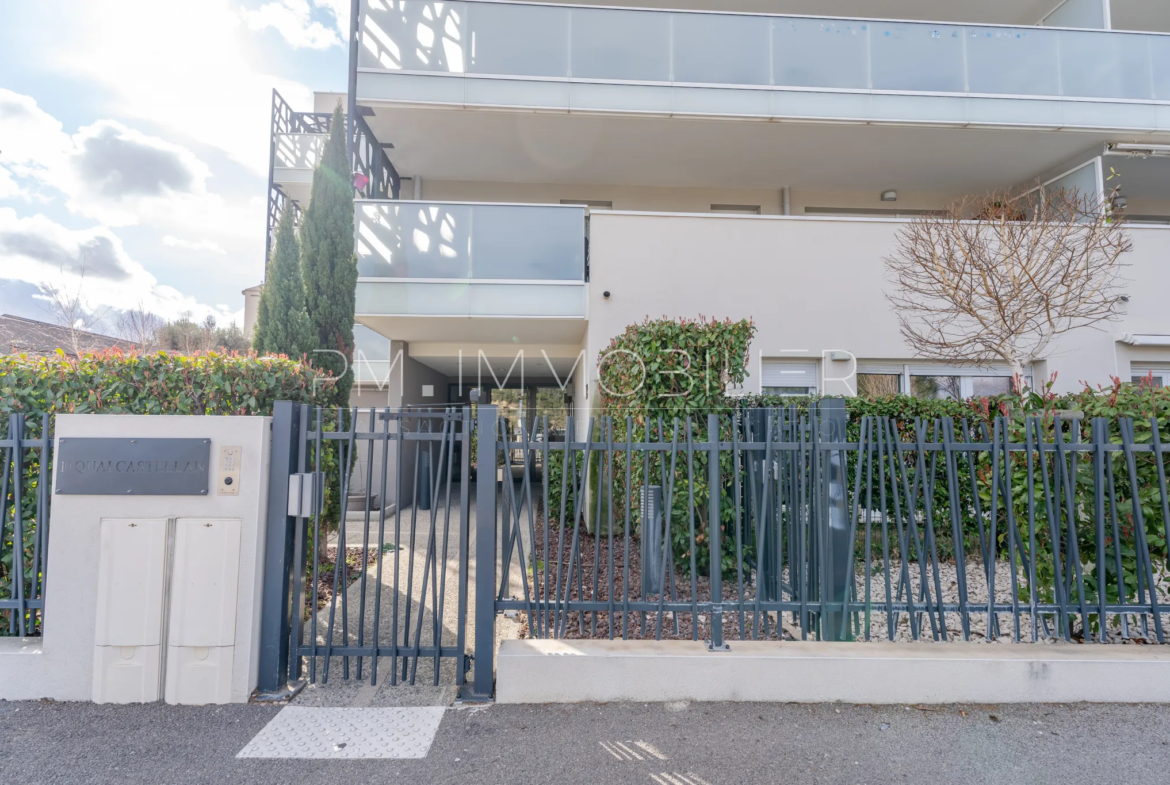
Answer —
(541, 175)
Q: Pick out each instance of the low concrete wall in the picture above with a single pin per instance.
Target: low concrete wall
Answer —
(561, 671)
(60, 665)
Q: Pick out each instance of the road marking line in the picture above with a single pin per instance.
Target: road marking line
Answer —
(674, 778)
(346, 733)
(650, 749)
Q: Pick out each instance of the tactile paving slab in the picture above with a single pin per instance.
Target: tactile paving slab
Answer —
(346, 733)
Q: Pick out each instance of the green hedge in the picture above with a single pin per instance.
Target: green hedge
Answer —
(116, 383)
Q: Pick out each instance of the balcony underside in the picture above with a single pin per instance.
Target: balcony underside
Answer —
(770, 104)
(690, 152)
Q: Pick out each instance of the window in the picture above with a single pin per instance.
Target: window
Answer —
(789, 377)
(1158, 375)
(875, 379)
(948, 387)
(875, 385)
(741, 209)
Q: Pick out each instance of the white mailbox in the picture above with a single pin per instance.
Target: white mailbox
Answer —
(128, 637)
(201, 633)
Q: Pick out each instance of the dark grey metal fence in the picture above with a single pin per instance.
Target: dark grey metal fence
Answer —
(385, 492)
(829, 528)
(25, 464)
(1025, 529)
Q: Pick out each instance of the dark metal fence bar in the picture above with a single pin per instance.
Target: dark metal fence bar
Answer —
(362, 470)
(26, 468)
(798, 524)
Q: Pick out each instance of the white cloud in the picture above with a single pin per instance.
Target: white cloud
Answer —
(37, 250)
(108, 171)
(186, 66)
(171, 241)
(35, 146)
(115, 174)
(292, 19)
(339, 10)
(9, 188)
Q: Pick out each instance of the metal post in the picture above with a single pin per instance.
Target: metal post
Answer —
(715, 531)
(482, 687)
(355, 9)
(835, 520)
(278, 552)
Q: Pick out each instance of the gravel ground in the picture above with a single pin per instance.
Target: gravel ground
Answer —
(594, 554)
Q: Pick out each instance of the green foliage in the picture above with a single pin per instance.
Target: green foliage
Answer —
(116, 383)
(649, 376)
(673, 367)
(282, 325)
(328, 262)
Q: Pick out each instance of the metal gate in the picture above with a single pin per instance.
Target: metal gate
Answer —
(367, 552)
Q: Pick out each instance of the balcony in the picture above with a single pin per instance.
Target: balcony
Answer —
(295, 156)
(482, 53)
(469, 260)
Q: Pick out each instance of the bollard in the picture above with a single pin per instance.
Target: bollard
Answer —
(423, 481)
(837, 550)
(652, 544)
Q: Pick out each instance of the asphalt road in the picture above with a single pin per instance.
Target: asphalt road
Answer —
(719, 744)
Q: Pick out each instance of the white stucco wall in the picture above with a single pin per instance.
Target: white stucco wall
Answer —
(816, 285)
(60, 665)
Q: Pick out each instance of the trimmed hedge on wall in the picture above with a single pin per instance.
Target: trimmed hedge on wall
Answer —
(115, 383)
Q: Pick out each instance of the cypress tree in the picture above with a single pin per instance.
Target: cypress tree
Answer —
(328, 261)
(282, 326)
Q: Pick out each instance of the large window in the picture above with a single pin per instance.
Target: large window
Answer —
(932, 381)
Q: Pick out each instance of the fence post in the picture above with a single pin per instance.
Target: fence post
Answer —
(835, 520)
(483, 681)
(715, 531)
(278, 552)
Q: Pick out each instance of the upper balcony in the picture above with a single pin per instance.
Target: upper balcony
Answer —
(450, 259)
(295, 156)
(576, 59)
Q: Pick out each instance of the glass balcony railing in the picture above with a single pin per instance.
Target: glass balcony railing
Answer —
(470, 242)
(698, 48)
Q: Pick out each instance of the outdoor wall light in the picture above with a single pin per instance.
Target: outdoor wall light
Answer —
(889, 196)
(605, 294)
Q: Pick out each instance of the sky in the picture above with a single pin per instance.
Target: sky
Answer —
(134, 138)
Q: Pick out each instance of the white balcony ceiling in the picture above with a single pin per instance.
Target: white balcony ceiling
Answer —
(675, 152)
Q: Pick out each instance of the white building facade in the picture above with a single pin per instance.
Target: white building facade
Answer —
(538, 176)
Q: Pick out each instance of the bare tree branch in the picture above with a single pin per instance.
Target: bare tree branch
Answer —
(141, 327)
(997, 278)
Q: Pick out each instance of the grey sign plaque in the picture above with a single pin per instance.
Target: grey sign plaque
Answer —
(133, 467)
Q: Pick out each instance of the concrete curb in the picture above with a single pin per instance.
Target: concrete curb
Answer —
(564, 671)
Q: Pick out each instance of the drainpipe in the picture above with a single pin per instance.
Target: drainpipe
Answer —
(786, 201)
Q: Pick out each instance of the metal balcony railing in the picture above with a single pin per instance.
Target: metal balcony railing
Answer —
(481, 37)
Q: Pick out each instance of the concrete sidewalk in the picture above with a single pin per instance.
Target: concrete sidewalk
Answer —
(597, 744)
